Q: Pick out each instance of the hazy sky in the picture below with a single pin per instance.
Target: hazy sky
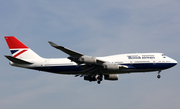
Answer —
(97, 28)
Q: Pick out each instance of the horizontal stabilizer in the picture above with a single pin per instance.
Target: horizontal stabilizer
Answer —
(16, 60)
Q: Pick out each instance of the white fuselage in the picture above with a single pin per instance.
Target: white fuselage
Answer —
(138, 62)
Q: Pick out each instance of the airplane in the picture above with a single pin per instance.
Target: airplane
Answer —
(91, 68)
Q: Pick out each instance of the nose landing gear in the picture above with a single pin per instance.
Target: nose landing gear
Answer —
(159, 76)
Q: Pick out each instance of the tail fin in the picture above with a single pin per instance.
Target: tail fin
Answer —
(19, 50)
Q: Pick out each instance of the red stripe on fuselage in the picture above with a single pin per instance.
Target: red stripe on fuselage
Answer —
(19, 53)
(14, 43)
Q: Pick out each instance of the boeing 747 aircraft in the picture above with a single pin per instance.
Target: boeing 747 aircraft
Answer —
(91, 68)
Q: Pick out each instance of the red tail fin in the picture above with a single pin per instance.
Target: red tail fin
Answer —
(14, 43)
(20, 50)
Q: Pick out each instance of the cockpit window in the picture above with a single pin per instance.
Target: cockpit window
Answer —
(163, 55)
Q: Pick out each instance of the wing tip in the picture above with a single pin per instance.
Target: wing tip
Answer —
(54, 45)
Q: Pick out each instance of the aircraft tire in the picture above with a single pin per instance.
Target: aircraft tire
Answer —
(159, 76)
(98, 82)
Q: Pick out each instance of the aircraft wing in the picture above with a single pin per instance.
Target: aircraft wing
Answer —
(73, 54)
(80, 58)
(66, 50)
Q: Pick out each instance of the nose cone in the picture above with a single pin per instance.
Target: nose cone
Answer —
(169, 62)
(174, 62)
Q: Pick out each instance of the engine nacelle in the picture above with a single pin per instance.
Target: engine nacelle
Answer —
(87, 59)
(110, 66)
(90, 78)
(111, 77)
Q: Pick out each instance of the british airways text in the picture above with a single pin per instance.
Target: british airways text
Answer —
(141, 57)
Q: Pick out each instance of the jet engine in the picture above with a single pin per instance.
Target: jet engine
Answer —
(111, 66)
(111, 77)
(87, 59)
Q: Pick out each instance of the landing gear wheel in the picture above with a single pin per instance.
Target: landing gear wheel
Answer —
(98, 82)
(100, 79)
(159, 76)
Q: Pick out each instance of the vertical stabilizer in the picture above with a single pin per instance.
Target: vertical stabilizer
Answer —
(19, 50)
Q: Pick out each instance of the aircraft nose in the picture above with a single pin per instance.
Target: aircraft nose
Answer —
(174, 62)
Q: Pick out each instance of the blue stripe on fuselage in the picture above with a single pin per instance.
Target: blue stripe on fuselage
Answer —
(75, 68)
(151, 65)
(58, 69)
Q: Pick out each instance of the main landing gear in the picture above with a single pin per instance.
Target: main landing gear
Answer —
(99, 78)
(159, 76)
(98, 82)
